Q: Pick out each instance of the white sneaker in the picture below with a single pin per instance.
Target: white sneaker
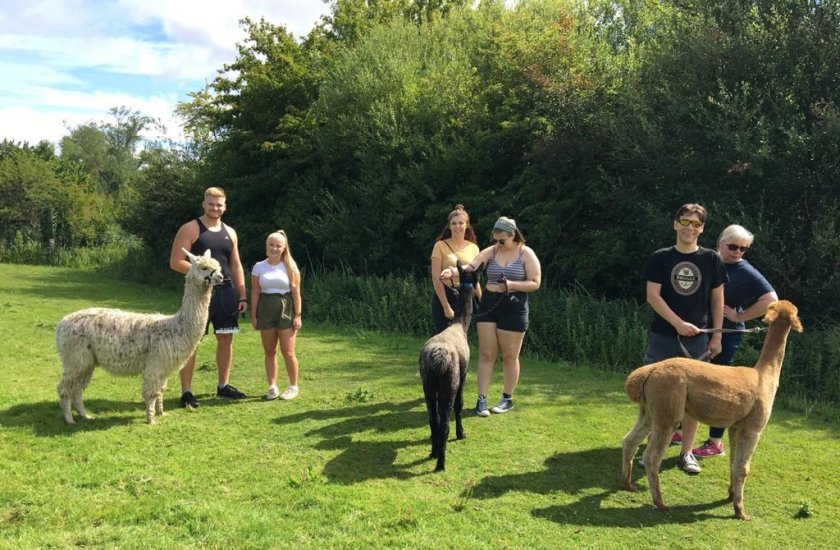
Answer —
(290, 393)
(688, 464)
(273, 393)
(503, 406)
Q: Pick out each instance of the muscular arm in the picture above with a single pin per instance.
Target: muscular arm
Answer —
(186, 236)
(236, 272)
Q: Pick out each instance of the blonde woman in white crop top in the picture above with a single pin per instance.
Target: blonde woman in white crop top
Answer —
(276, 311)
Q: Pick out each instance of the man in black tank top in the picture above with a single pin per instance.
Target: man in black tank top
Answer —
(228, 301)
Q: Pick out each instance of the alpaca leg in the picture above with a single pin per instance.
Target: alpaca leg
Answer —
(429, 392)
(159, 404)
(733, 447)
(741, 469)
(82, 383)
(459, 406)
(446, 402)
(659, 440)
(630, 444)
(151, 391)
(65, 398)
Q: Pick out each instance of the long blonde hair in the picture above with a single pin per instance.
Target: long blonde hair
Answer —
(288, 260)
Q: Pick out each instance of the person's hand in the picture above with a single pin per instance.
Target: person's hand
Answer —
(448, 312)
(731, 314)
(297, 322)
(242, 307)
(715, 346)
(446, 273)
(687, 329)
(254, 323)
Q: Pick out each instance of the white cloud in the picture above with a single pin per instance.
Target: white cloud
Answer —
(67, 62)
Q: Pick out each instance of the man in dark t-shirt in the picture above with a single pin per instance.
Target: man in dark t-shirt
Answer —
(685, 289)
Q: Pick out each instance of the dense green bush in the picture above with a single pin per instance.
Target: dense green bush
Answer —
(569, 325)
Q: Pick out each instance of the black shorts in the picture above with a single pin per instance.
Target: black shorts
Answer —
(224, 310)
(509, 311)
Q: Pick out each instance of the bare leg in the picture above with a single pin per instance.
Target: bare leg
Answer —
(689, 432)
(288, 338)
(269, 343)
(224, 357)
(488, 351)
(186, 373)
(510, 343)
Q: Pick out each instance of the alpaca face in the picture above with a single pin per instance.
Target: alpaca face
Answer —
(209, 270)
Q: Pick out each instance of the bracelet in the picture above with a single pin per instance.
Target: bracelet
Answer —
(243, 300)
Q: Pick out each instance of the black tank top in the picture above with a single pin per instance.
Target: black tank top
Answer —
(219, 243)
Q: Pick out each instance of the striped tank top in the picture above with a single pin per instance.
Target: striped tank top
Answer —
(514, 271)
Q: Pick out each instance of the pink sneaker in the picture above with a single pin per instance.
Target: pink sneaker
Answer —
(676, 439)
(709, 448)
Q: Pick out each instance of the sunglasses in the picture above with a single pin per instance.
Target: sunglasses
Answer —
(692, 223)
(500, 241)
(735, 247)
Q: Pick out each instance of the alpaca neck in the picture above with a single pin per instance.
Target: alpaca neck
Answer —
(773, 352)
(192, 316)
(464, 316)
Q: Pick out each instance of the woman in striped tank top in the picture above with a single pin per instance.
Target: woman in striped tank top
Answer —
(513, 271)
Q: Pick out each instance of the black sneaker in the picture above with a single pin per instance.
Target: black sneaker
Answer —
(188, 399)
(229, 391)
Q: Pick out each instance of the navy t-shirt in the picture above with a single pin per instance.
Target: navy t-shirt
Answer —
(687, 281)
(746, 285)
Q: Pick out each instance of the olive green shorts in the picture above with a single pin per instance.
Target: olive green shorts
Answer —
(275, 311)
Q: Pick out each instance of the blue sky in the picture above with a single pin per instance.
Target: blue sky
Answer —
(67, 62)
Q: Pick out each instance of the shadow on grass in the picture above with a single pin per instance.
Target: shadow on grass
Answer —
(362, 460)
(45, 419)
(580, 472)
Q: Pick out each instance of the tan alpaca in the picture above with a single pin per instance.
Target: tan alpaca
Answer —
(737, 398)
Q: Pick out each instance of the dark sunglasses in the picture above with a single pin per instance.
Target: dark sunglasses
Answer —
(500, 241)
(692, 223)
(735, 247)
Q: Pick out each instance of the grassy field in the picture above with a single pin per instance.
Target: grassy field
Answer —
(344, 465)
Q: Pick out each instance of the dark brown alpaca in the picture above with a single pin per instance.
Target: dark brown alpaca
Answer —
(443, 369)
(737, 398)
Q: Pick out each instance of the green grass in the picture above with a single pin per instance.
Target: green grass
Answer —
(344, 465)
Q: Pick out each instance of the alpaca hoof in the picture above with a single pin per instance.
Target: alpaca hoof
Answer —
(630, 486)
(461, 436)
(743, 517)
(69, 420)
(440, 469)
(663, 508)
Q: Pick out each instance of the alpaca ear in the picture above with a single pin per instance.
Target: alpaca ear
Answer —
(796, 324)
(206, 253)
(460, 270)
(772, 313)
(190, 255)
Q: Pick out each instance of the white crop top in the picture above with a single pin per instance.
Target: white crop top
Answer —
(274, 279)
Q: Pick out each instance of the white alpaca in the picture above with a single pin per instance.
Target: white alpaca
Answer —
(126, 343)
